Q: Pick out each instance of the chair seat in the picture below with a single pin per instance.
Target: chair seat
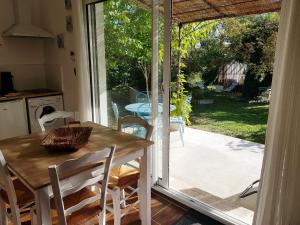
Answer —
(23, 194)
(82, 216)
(123, 176)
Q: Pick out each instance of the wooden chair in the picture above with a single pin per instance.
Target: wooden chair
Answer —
(75, 202)
(126, 176)
(53, 116)
(13, 194)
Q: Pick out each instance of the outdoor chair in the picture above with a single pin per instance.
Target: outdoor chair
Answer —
(249, 190)
(179, 120)
(115, 110)
(142, 98)
(231, 87)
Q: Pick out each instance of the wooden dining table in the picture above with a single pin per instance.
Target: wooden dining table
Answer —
(29, 161)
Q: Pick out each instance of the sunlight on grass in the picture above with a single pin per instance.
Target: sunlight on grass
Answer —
(232, 117)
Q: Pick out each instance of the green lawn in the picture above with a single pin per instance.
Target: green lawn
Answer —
(232, 117)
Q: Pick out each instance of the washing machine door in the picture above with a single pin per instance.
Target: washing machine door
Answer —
(43, 110)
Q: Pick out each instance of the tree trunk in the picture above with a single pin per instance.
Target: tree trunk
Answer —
(143, 67)
(179, 54)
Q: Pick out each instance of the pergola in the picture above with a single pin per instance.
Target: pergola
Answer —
(187, 11)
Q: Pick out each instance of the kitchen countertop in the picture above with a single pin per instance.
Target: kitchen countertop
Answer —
(29, 94)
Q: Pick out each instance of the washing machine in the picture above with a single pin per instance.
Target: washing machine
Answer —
(39, 106)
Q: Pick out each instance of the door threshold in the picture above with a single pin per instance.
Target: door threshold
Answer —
(198, 206)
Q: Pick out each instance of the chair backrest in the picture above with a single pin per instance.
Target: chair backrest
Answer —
(8, 187)
(187, 102)
(115, 109)
(142, 98)
(134, 120)
(53, 116)
(63, 186)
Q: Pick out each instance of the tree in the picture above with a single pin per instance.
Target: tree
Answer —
(249, 40)
(256, 48)
(185, 38)
(128, 44)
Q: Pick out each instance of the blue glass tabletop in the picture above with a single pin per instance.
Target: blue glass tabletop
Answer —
(145, 108)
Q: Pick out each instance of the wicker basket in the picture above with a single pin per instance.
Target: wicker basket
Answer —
(67, 138)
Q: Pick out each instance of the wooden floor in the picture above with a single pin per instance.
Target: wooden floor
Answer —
(165, 211)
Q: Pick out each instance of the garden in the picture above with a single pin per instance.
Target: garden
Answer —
(230, 116)
(226, 63)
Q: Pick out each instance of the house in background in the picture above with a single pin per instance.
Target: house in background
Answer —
(233, 72)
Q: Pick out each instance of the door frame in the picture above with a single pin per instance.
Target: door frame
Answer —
(155, 89)
(162, 183)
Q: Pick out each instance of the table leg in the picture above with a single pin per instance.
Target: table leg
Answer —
(42, 200)
(145, 188)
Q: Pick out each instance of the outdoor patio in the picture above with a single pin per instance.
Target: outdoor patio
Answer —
(215, 169)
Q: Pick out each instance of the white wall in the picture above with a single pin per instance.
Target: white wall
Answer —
(23, 57)
(59, 67)
(39, 63)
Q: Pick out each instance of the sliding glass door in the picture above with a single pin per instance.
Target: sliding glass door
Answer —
(136, 69)
(97, 62)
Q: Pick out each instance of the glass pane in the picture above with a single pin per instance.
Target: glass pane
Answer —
(221, 96)
(123, 61)
(160, 130)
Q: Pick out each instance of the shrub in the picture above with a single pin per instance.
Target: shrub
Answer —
(197, 94)
(194, 79)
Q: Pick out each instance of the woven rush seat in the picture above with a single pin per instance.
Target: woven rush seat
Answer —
(123, 176)
(23, 194)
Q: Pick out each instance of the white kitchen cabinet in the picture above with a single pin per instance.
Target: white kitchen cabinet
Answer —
(13, 119)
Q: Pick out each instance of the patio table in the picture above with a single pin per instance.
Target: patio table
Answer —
(144, 109)
(29, 161)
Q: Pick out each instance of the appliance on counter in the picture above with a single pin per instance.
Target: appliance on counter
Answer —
(13, 119)
(7, 85)
(40, 106)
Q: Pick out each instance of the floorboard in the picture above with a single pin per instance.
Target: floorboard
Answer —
(165, 211)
